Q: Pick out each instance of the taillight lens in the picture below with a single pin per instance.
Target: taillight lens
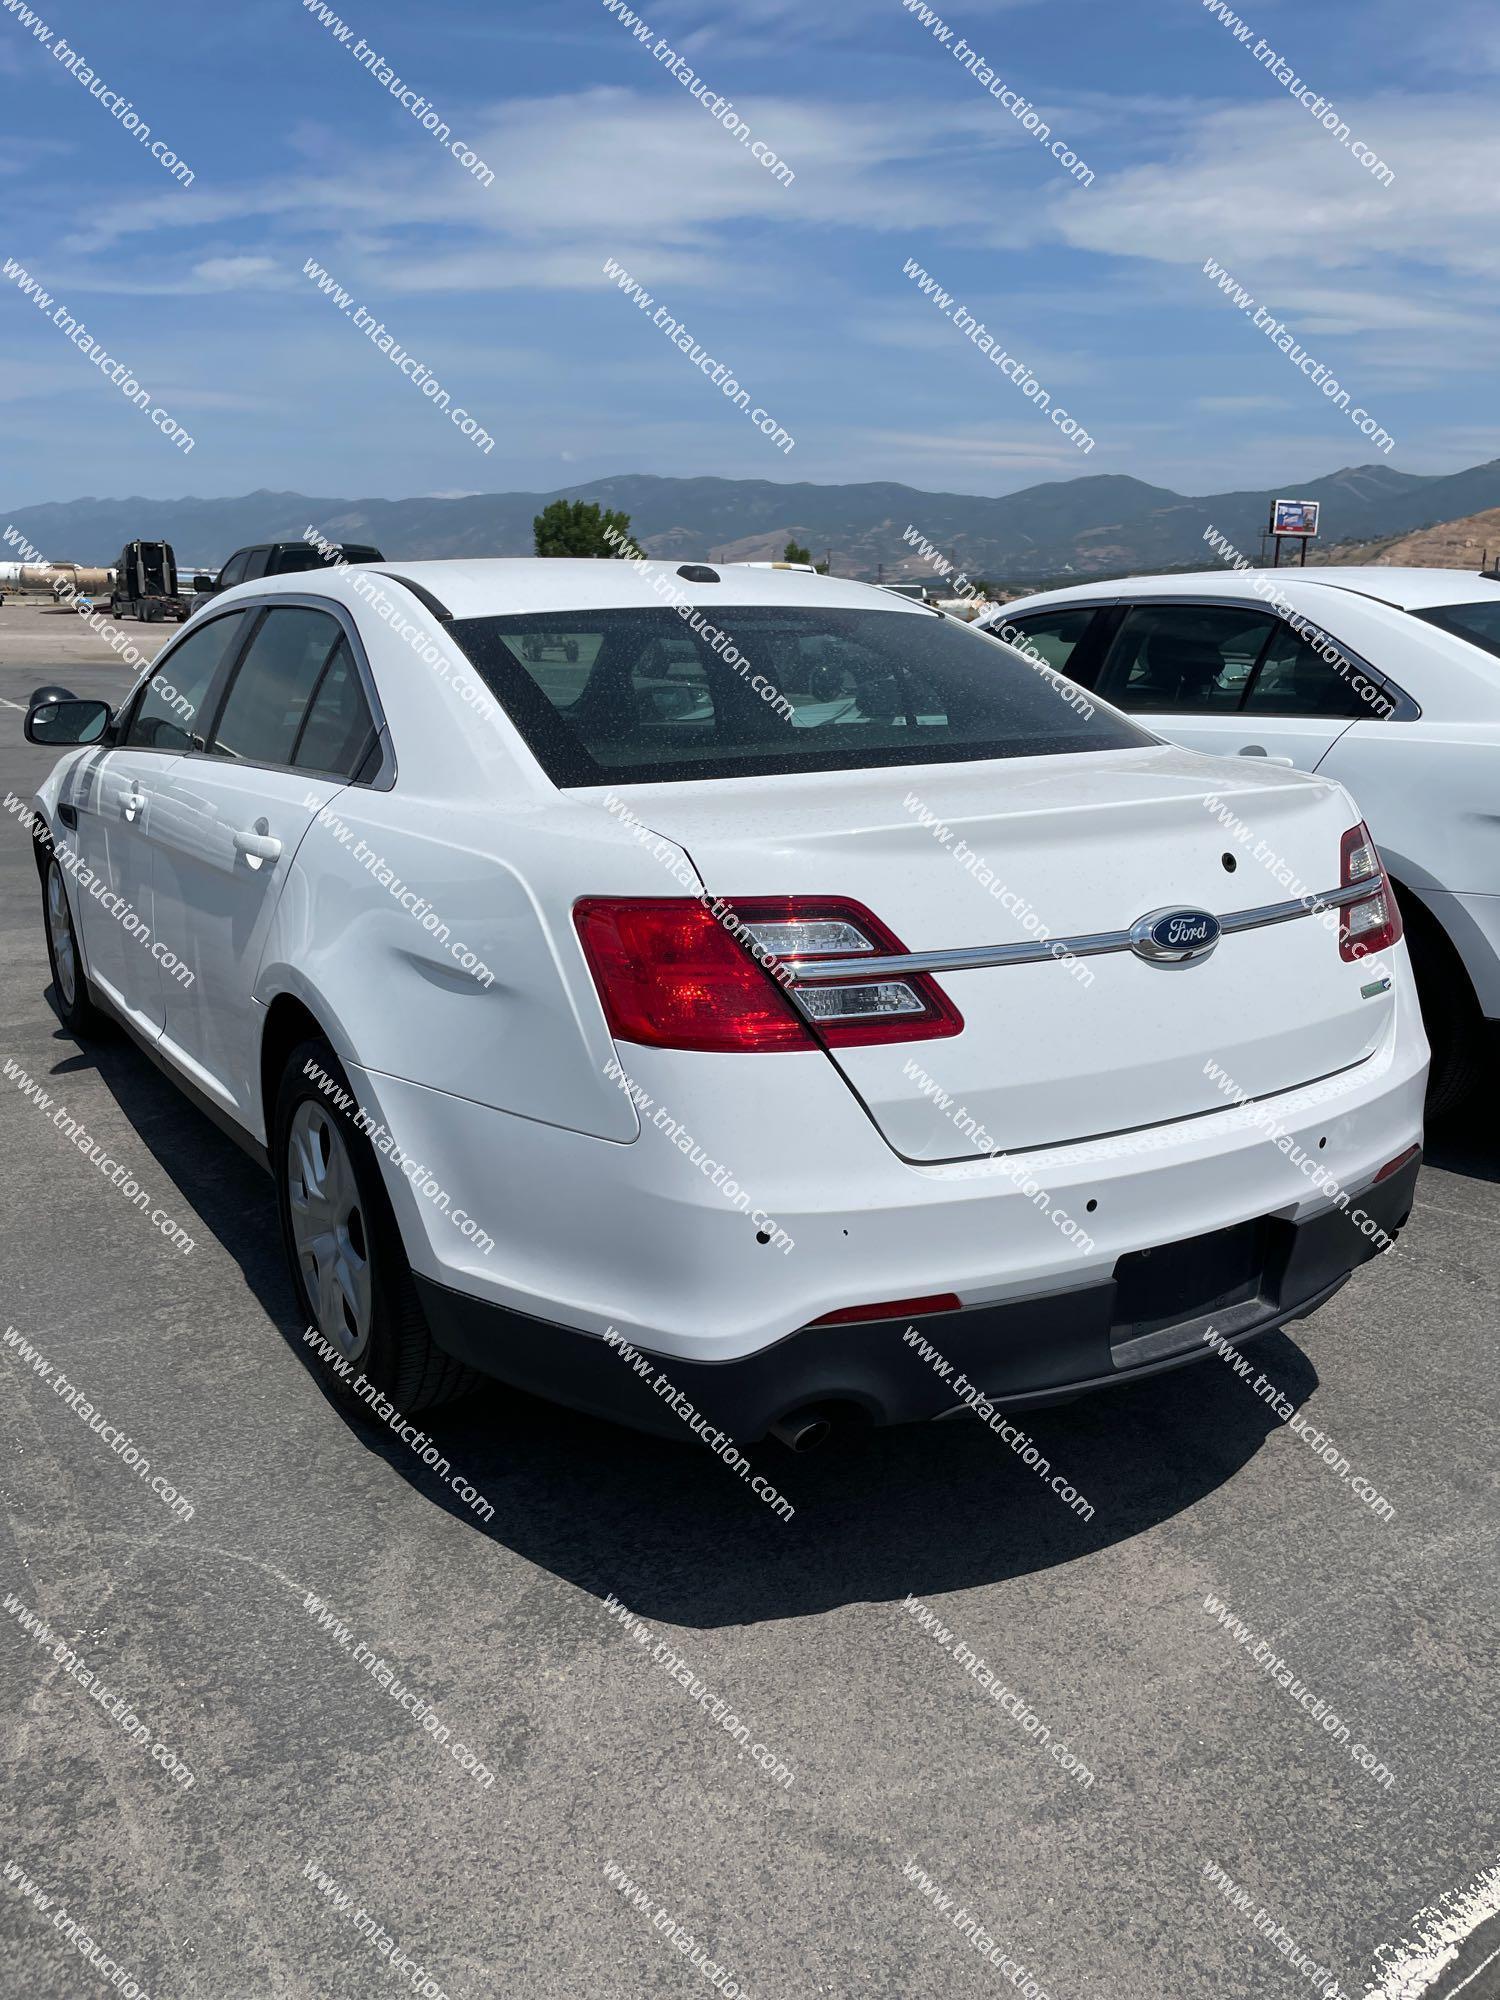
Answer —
(1374, 922)
(845, 1009)
(671, 975)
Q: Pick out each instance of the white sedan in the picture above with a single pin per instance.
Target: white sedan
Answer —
(1387, 680)
(655, 985)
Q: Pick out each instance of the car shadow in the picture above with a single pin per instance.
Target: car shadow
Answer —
(675, 1534)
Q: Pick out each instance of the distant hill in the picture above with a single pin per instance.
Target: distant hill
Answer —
(1462, 544)
(1091, 526)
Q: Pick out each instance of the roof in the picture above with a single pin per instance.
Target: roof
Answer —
(1409, 589)
(499, 586)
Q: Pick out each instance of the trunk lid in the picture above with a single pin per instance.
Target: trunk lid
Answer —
(964, 855)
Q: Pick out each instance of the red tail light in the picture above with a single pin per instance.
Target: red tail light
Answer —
(671, 975)
(1374, 922)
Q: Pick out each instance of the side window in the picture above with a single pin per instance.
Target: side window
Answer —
(1183, 659)
(1296, 678)
(169, 712)
(1054, 636)
(256, 563)
(262, 714)
(234, 570)
(338, 729)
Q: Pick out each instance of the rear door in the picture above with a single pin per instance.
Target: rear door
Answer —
(293, 727)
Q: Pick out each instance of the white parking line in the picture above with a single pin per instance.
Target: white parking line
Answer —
(1472, 1976)
(13, 704)
(1413, 1967)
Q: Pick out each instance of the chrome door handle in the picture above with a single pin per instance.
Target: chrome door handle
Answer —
(257, 846)
(132, 803)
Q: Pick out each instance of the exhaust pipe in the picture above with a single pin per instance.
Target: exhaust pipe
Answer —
(802, 1431)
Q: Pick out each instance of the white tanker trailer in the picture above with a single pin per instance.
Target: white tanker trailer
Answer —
(57, 580)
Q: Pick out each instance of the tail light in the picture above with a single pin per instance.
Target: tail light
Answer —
(671, 975)
(1374, 921)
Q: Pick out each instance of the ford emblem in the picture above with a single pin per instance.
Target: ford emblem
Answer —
(1175, 937)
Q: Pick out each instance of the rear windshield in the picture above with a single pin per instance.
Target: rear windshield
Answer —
(636, 696)
(1478, 623)
(297, 556)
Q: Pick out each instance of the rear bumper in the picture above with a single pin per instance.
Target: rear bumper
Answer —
(1018, 1352)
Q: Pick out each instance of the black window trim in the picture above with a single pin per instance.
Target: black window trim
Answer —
(1406, 709)
(382, 777)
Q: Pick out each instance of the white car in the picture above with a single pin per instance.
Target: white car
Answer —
(1386, 679)
(680, 1017)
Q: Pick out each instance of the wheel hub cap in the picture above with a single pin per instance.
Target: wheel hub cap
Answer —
(60, 927)
(328, 1229)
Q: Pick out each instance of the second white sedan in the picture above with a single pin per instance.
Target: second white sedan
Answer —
(1387, 680)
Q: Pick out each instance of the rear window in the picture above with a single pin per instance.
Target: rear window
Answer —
(1478, 623)
(295, 556)
(637, 696)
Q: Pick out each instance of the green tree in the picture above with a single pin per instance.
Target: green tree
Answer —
(794, 552)
(581, 528)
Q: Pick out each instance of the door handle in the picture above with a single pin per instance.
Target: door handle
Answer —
(132, 803)
(1259, 750)
(257, 846)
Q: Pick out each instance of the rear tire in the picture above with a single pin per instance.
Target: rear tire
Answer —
(344, 1249)
(82, 1019)
(1450, 1012)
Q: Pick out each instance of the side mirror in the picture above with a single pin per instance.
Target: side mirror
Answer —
(67, 721)
(202, 582)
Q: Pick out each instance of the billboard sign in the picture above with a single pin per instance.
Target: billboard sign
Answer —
(1294, 517)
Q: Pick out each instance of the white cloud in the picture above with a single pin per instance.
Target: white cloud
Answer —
(1274, 197)
(601, 172)
(231, 273)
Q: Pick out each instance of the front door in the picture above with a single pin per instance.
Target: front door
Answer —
(118, 799)
(292, 730)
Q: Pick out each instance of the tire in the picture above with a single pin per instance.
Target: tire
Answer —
(1450, 1012)
(344, 1250)
(79, 1015)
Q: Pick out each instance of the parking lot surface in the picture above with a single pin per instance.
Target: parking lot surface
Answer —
(586, 1816)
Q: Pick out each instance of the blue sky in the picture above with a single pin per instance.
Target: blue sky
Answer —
(598, 152)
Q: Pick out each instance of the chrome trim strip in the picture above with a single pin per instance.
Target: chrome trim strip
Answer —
(977, 958)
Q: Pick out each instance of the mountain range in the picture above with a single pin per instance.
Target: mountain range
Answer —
(1095, 526)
